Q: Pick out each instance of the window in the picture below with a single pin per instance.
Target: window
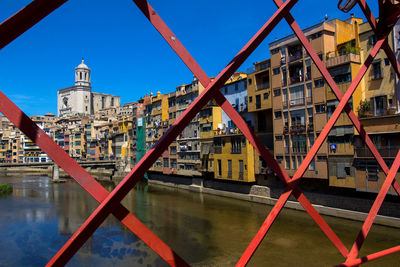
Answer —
(166, 163)
(312, 165)
(320, 56)
(226, 89)
(249, 81)
(342, 74)
(276, 71)
(266, 96)
(372, 172)
(320, 108)
(279, 159)
(372, 40)
(258, 101)
(236, 87)
(287, 162)
(321, 158)
(318, 83)
(236, 147)
(277, 92)
(299, 144)
(112, 101)
(274, 51)
(229, 168)
(278, 114)
(387, 62)
(250, 99)
(219, 168)
(278, 138)
(377, 71)
(316, 35)
(294, 163)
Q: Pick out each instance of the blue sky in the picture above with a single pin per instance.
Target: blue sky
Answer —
(126, 54)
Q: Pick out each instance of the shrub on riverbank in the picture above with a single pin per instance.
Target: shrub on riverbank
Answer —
(5, 189)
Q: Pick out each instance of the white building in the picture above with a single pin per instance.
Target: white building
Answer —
(80, 100)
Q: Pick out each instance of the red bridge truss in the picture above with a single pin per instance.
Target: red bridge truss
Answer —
(110, 203)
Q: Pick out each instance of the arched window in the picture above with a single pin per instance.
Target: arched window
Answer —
(112, 101)
(80, 75)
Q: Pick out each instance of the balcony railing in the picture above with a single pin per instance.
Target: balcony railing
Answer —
(296, 79)
(297, 102)
(298, 128)
(309, 100)
(310, 127)
(299, 149)
(227, 131)
(335, 61)
(262, 86)
(296, 56)
(285, 103)
(385, 151)
(378, 113)
(285, 129)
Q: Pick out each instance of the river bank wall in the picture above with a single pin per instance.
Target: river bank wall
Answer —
(341, 206)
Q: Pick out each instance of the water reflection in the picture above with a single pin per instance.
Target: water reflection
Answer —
(40, 216)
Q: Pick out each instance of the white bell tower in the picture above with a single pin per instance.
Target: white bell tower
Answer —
(82, 75)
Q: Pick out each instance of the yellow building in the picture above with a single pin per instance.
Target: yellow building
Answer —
(378, 113)
(234, 157)
(210, 120)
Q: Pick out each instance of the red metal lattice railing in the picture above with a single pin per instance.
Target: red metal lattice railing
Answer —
(110, 202)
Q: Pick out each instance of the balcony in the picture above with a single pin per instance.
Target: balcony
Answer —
(262, 86)
(385, 151)
(308, 76)
(286, 129)
(295, 56)
(309, 100)
(378, 113)
(310, 127)
(227, 131)
(296, 79)
(297, 128)
(343, 59)
(297, 102)
(299, 149)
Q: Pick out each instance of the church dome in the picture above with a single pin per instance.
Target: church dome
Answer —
(82, 65)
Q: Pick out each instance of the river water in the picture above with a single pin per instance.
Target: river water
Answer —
(39, 217)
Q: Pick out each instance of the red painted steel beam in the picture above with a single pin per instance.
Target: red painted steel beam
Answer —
(59, 156)
(181, 51)
(101, 213)
(370, 257)
(11, 29)
(24, 19)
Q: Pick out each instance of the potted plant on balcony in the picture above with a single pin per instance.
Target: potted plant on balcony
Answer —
(364, 109)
